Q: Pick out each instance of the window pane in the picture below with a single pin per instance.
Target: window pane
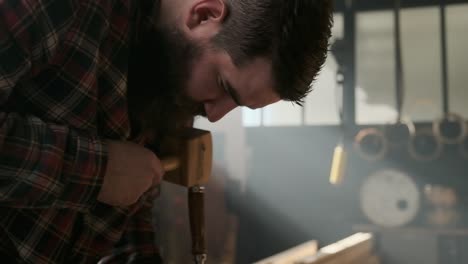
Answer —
(282, 114)
(421, 53)
(375, 61)
(251, 118)
(457, 42)
(321, 106)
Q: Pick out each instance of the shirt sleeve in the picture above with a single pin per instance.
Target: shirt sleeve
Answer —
(138, 243)
(47, 165)
(41, 164)
(141, 233)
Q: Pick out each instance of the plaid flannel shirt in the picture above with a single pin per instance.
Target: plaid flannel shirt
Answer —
(63, 73)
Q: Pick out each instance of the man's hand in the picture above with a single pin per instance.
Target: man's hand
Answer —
(131, 170)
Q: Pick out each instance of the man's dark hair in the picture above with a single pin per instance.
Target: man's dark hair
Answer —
(294, 34)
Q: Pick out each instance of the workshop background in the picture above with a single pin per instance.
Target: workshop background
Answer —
(392, 100)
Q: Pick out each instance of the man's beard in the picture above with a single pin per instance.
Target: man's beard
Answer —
(159, 69)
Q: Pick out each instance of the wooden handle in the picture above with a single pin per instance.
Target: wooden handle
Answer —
(197, 222)
(170, 164)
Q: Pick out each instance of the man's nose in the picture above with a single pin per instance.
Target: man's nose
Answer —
(217, 110)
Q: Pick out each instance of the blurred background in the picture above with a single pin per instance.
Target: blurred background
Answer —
(388, 110)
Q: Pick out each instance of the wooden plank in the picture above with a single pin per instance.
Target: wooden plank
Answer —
(351, 250)
(292, 255)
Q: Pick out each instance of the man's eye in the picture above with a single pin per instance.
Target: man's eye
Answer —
(228, 90)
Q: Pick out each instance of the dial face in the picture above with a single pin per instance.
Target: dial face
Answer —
(390, 198)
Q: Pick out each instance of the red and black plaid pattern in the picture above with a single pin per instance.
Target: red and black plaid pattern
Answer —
(63, 75)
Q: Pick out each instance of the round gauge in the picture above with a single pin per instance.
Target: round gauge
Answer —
(399, 133)
(371, 144)
(424, 146)
(390, 198)
(450, 129)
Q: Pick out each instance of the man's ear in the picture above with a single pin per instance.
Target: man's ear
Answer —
(204, 18)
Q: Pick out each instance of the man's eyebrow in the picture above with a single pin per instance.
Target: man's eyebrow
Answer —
(233, 93)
